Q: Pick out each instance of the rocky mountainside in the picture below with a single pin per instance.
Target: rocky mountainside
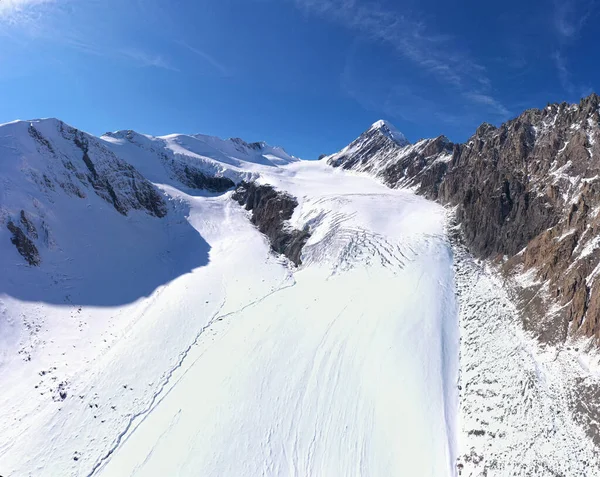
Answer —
(271, 211)
(47, 161)
(52, 173)
(526, 193)
(397, 163)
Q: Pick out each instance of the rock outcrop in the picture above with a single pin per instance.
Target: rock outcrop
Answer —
(76, 161)
(196, 179)
(271, 209)
(24, 244)
(526, 193)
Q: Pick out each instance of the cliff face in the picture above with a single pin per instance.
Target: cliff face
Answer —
(271, 210)
(526, 192)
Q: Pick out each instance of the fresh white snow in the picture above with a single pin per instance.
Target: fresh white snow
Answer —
(240, 364)
(344, 371)
(390, 131)
(182, 346)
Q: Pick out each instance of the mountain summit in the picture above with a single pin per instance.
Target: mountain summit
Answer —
(389, 130)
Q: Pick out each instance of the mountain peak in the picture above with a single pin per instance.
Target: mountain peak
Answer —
(389, 130)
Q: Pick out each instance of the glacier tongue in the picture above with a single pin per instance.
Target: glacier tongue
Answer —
(349, 368)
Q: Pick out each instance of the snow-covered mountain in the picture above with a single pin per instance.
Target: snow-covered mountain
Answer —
(187, 305)
(154, 332)
(525, 196)
(197, 161)
(385, 153)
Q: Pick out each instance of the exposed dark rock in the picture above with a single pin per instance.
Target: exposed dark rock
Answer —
(196, 179)
(35, 134)
(136, 192)
(24, 245)
(421, 165)
(270, 211)
(527, 191)
(29, 227)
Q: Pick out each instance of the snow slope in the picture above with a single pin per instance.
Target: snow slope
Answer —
(90, 336)
(516, 405)
(180, 345)
(159, 335)
(350, 369)
(164, 159)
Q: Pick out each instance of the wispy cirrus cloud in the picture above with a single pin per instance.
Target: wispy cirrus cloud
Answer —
(488, 100)
(145, 59)
(133, 56)
(432, 53)
(217, 65)
(408, 36)
(59, 22)
(566, 77)
(570, 16)
(563, 72)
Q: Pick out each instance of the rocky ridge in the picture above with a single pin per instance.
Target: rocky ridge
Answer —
(526, 197)
(526, 194)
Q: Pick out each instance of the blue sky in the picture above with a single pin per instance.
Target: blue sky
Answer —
(309, 75)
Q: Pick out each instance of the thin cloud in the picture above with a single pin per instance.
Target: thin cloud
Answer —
(411, 38)
(25, 15)
(565, 77)
(408, 36)
(144, 59)
(489, 101)
(570, 17)
(206, 57)
(9, 8)
(564, 74)
(132, 56)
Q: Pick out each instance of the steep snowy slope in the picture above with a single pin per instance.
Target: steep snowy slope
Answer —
(95, 260)
(198, 161)
(383, 152)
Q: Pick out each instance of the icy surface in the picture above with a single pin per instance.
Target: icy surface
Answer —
(238, 365)
(346, 370)
(181, 346)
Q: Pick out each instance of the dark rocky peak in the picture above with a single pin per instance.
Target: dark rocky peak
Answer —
(239, 142)
(432, 147)
(255, 146)
(485, 129)
(592, 100)
(122, 134)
